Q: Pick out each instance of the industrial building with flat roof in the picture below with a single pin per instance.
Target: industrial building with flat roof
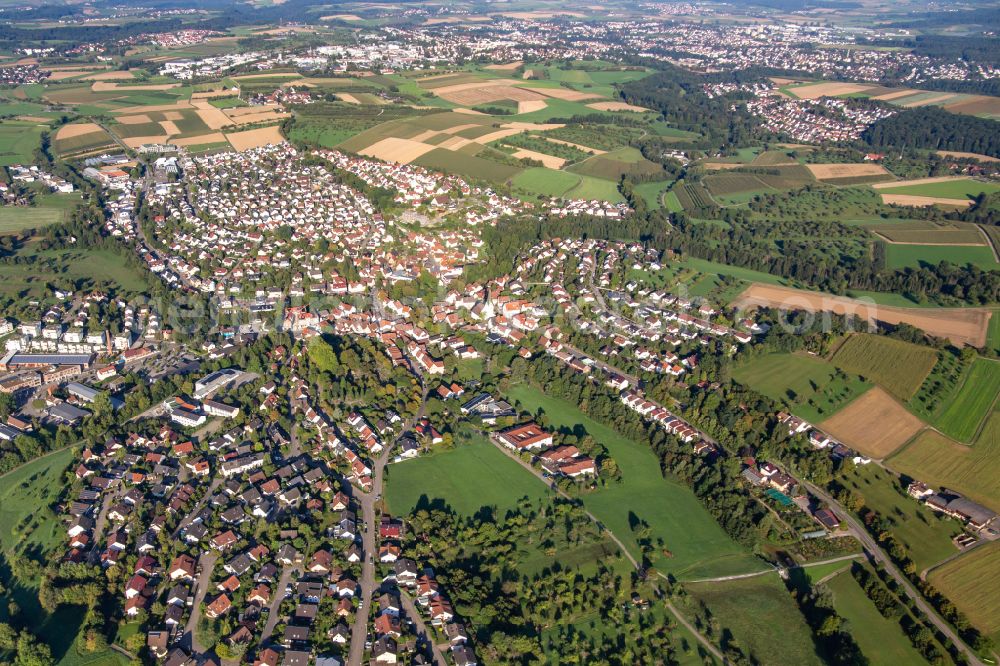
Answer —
(15, 360)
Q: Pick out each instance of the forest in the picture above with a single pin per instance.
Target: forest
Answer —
(935, 129)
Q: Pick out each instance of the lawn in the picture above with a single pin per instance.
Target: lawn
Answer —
(467, 478)
(813, 387)
(940, 461)
(759, 614)
(926, 534)
(881, 640)
(964, 581)
(698, 547)
(898, 367)
(915, 256)
(965, 412)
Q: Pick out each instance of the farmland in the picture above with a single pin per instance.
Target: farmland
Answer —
(813, 387)
(941, 461)
(759, 614)
(963, 580)
(898, 367)
(966, 411)
(698, 547)
(948, 188)
(903, 256)
(874, 424)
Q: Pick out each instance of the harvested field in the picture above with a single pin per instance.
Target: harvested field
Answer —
(472, 96)
(263, 116)
(169, 127)
(721, 166)
(829, 89)
(77, 129)
(497, 135)
(617, 106)
(895, 94)
(874, 424)
(469, 112)
(963, 326)
(212, 117)
(115, 75)
(455, 143)
(922, 202)
(566, 94)
(587, 149)
(177, 106)
(976, 106)
(104, 86)
(393, 149)
(255, 138)
(348, 97)
(173, 115)
(136, 141)
(941, 461)
(505, 67)
(830, 171)
(62, 76)
(962, 581)
(528, 106)
(550, 161)
(213, 137)
(918, 181)
(140, 119)
(966, 156)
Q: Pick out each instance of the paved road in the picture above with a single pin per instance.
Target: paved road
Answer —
(207, 563)
(99, 525)
(418, 620)
(216, 482)
(368, 501)
(876, 553)
(277, 596)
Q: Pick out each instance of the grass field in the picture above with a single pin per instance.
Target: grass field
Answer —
(965, 582)
(966, 410)
(467, 478)
(652, 193)
(926, 534)
(18, 142)
(49, 210)
(698, 546)
(898, 367)
(56, 266)
(940, 461)
(28, 524)
(760, 614)
(915, 256)
(965, 188)
(813, 387)
(553, 183)
(881, 640)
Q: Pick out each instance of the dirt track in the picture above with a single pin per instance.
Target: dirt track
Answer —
(963, 326)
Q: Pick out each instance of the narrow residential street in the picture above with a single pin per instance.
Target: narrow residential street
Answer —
(422, 628)
(277, 596)
(368, 502)
(189, 641)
